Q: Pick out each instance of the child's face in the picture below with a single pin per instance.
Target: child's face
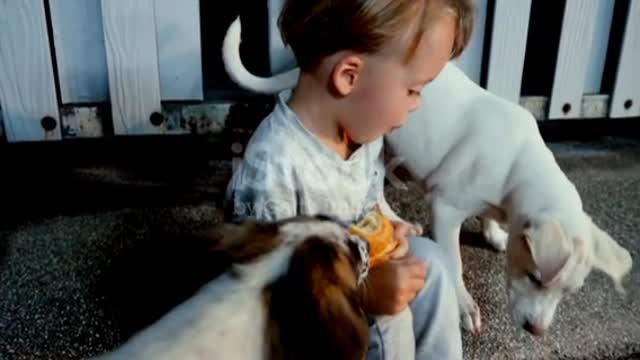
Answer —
(388, 88)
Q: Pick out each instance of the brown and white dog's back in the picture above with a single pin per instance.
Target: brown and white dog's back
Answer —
(291, 293)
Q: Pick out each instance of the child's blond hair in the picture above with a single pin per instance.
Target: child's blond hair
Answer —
(318, 28)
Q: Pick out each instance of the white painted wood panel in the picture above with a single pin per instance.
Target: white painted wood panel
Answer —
(597, 58)
(132, 60)
(281, 58)
(470, 61)
(508, 45)
(1, 125)
(27, 85)
(626, 94)
(179, 52)
(576, 41)
(80, 53)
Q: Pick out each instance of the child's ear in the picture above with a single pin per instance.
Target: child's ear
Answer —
(346, 73)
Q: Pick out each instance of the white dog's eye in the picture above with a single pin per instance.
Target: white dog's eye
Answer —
(534, 279)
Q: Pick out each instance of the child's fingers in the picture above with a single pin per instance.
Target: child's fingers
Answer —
(416, 268)
(403, 246)
(414, 286)
(416, 230)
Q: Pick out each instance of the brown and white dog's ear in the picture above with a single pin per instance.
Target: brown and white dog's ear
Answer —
(609, 257)
(548, 246)
(246, 241)
(314, 308)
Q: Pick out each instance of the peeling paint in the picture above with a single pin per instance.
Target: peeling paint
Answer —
(238, 119)
(213, 118)
(81, 122)
(196, 119)
(592, 106)
(538, 106)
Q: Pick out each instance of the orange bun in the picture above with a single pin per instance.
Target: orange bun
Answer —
(378, 230)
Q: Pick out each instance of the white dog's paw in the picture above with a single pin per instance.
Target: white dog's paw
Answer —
(470, 314)
(495, 235)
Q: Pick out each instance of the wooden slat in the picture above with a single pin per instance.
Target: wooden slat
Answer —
(27, 86)
(179, 52)
(80, 53)
(132, 60)
(470, 61)
(281, 58)
(1, 126)
(576, 41)
(604, 17)
(626, 95)
(508, 45)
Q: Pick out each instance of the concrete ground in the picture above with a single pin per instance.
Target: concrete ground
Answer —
(90, 254)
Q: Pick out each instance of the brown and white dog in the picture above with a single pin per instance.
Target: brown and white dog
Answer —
(291, 293)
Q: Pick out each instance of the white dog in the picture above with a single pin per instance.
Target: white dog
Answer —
(478, 154)
(291, 294)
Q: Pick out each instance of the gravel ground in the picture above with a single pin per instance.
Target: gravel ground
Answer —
(78, 280)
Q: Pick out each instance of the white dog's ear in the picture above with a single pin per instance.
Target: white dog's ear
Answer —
(609, 257)
(549, 248)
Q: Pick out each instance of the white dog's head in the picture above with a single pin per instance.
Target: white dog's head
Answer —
(546, 261)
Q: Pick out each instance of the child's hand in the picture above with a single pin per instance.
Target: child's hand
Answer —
(392, 285)
(402, 230)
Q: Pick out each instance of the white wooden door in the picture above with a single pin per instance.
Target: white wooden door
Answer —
(576, 52)
(80, 51)
(470, 61)
(153, 54)
(626, 95)
(132, 61)
(27, 86)
(508, 45)
(179, 52)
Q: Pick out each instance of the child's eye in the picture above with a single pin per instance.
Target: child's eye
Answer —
(412, 92)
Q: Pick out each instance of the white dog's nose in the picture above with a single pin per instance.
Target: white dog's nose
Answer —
(534, 328)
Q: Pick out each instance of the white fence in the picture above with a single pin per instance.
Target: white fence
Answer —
(63, 61)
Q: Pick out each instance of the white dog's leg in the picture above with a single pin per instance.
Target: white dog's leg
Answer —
(447, 221)
(494, 234)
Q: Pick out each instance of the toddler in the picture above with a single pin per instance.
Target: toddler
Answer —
(363, 65)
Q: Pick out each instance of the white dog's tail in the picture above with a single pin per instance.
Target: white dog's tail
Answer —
(241, 76)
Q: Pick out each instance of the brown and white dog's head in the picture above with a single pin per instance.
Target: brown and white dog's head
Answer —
(547, 260)
(311, 268)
